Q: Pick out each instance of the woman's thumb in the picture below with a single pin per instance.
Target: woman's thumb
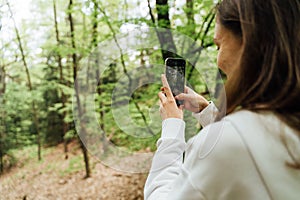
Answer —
(183, 96)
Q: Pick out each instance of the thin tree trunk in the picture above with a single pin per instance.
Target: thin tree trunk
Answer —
(1, 162)
(165, 36)
(3, 129)
(34, 110)
(102, 113)
(79, 107)
(125, 70)
(94, 44)
(204, 32)
(61, 80)
(95, 23)
(190, 17)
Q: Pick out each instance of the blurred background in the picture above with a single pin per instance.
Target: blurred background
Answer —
(44, 44)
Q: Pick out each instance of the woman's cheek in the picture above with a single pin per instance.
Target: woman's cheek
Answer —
(220, 63)
(224, 62)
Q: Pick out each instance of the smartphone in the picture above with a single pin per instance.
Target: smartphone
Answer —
(175, 73)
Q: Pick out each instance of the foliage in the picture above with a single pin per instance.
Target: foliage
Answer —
(49, 53)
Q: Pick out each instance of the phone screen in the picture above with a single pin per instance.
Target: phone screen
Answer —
(175, 73)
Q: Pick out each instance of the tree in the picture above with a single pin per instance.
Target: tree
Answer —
(189, 11)
(3, 140)
(61, 79)
(164, 35)
(75, 29)
(78, 101)
(29, 84)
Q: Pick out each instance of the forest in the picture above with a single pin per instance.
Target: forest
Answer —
(78, 90)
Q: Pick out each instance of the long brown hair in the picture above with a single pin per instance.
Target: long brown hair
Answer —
(269, 73)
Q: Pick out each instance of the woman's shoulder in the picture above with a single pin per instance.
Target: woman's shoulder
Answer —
(249, 142)
(220, 151)
(270, 143)
(260, 125)
(231, 133)
(256, 123)
(251, 117)
(221, 138)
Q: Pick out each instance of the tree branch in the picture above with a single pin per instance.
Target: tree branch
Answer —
(124, 68)
(34, 110)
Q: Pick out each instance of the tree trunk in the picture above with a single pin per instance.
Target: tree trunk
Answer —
(61, 80)
(34, 110)
(95, 23)
(79, 107)
(165, 36)
(1, 162)
(168, 48)
(2, 124)
(94, 44)
(202, 35)
(189, 11)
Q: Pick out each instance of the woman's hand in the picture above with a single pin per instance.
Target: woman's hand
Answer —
(192, 101)
(168, 107)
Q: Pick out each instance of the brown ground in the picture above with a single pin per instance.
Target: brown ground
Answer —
(56, 178)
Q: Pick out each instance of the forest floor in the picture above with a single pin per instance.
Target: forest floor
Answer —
(58, 178)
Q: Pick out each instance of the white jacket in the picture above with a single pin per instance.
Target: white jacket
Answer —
(242, 157)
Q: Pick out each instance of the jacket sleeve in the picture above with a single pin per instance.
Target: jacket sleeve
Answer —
(214, 166)
(167, 160)
(167, 164)
(207, 115)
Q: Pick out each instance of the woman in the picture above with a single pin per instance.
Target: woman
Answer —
(253, 152)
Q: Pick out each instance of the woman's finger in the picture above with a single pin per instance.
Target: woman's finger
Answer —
(181, 107)
(184, 97)
(160, 107)
(162, 97)
(164, 81)
(167, 89)
(186, 89)
(190, 91)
